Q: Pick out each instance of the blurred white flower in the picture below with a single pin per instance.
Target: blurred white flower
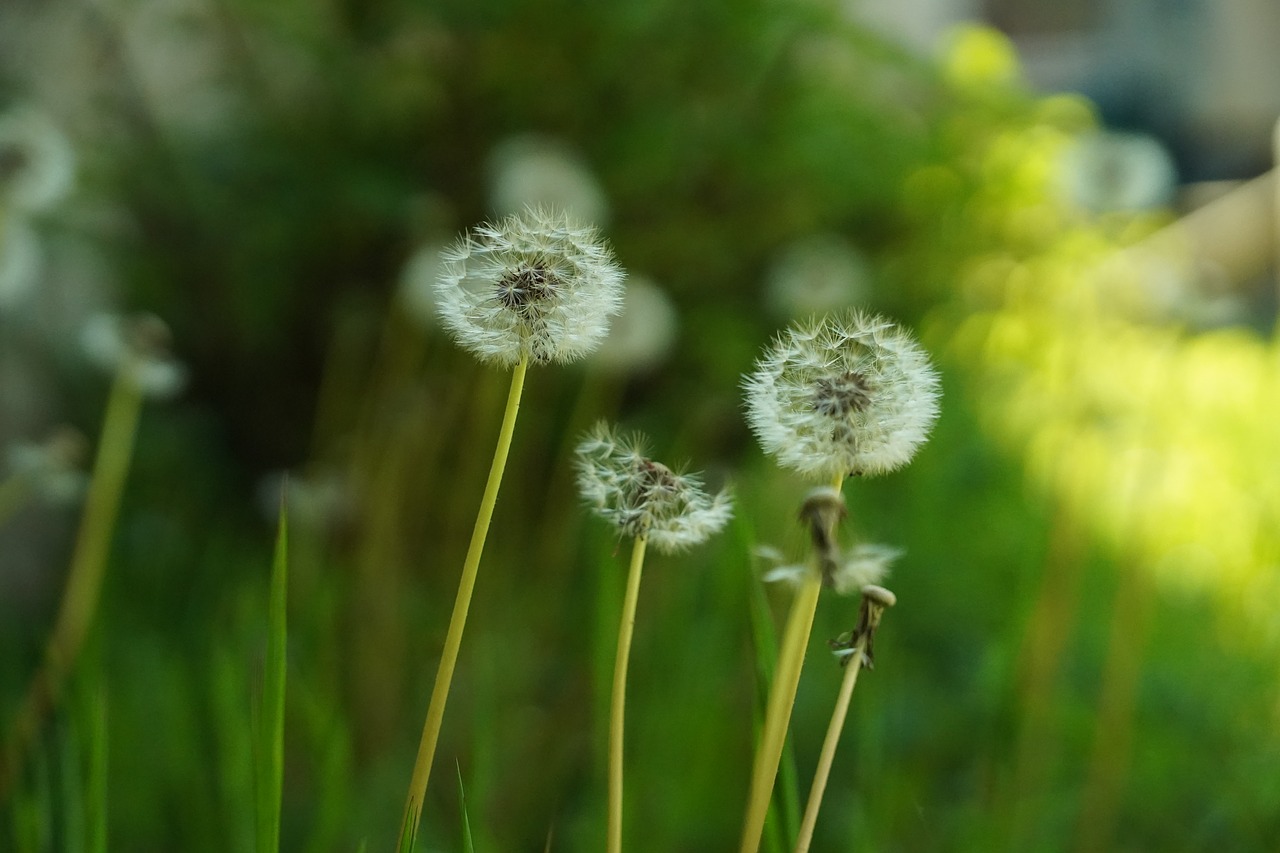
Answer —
(643, 334)
(21, 261)
(1111, 171)
(642, 497)
(847, 394)
(37, 162)
(536, 286)
(815, 275)
(417, 289)
(531, 170)
(138, 344)
(52, 468)
(320, 501)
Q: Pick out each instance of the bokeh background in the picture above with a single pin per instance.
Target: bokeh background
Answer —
(1071, 204)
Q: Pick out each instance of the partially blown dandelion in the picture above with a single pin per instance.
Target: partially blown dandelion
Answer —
(535, 287)
(644, 498)
(845, 394)
(649, 502)
(532, 288)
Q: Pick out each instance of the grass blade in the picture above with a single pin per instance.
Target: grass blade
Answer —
(270, 752)
(468, 844)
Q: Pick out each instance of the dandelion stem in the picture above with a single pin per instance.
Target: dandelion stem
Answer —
(619, 702)
(782, 697)
(820, 775)
(84, 579)
(453, 637)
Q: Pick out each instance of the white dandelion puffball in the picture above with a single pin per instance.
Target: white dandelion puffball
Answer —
(846, 394)
(537, 286)
(817, 273)
(642, 497)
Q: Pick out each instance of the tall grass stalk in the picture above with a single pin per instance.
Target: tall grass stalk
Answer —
(84, 580)
(462, 604)
(617, 706)
(782, 698)
(269, 754)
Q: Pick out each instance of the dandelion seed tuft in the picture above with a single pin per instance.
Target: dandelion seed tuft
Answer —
(37, 162)
(846, 394)
(642, 497)
(535, 286)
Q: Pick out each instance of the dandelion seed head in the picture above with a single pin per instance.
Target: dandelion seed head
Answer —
(868, 564)
(846, 394)
(535, 286)
(643, 497)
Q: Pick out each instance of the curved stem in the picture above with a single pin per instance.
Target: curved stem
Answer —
(782, 697)
(461, 604)
(617, 707)
(852, 668)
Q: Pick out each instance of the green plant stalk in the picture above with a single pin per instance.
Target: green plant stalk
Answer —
(270, 748)
(828, 754)
(617, 707)
(84, 579)
(453, 637)
(782, 698)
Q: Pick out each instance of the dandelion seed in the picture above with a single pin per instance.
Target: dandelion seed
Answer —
(849, 394)
(139, 344)
(535, 286)
(642, 497)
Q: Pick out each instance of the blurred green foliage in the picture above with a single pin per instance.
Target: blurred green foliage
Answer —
(1041, 685)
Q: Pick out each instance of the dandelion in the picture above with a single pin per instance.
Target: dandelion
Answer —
(649, 502)
(50, 469)
(21, 260)
(818, 273)
(643, 334)
(37, 162)
(136, 347)
(532, 170)
(534, 288)
(846, 394)
(867, 564)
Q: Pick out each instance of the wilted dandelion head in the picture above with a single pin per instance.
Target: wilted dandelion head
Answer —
(138, 345)
(847, 394)
(642, 497)
(535, 286)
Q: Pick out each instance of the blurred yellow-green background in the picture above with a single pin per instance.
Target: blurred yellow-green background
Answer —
(1070, 203)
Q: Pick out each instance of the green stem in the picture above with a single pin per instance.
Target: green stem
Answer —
(782, 697)
(88, 565)
(618, 707)
(820, 776)
(453, 638)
